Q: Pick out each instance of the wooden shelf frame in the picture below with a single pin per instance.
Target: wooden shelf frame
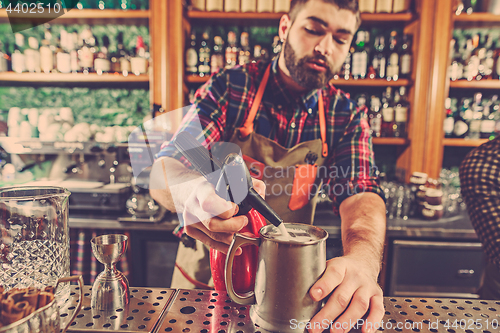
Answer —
(86, 14)
(477, 18)
(72, 78)
(463, 142)
(390, 141)
(483, 84)
(366, 18)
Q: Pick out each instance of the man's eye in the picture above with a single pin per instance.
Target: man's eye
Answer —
(313, 32)
(340, 41)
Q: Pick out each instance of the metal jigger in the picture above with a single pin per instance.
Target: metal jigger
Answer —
(110, 290)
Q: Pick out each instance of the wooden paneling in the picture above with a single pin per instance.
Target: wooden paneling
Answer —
(439, 86)
(72, 77)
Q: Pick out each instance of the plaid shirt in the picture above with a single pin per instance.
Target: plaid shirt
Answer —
(480, 186)
(223, 103)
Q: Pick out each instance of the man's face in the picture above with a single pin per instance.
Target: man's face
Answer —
(317, 43)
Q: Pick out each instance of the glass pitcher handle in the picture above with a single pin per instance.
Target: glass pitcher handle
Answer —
(79, 279)
(237, 242)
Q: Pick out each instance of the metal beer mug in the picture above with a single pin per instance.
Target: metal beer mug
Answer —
(287, 269)
(34, 237)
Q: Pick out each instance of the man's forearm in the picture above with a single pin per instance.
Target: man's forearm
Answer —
(363, 228)
(163, 170)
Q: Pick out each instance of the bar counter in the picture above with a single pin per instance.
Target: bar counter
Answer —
(204, 311)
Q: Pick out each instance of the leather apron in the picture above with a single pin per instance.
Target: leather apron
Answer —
(291, 181)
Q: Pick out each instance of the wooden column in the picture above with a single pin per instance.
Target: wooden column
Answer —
(158, 32)
(438, 88)
(411, 159)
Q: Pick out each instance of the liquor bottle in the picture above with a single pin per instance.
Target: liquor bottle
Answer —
(87, 51)
(215, 5)
(477, 115)
(264, 6)
(139, 63)
(449, 120)
(192, 57)
(4, 64)
(367, 6)
(387, 114)
(379, 61)
(400, 6)
(470, 6)
(401, 113)
(461, 124)
(101, 62)
(257, 53)
(73, 52)
(488, 121)
(281, 6)
(198, 5)
(248, 6)
(360, 56)
(486, 60)
(393, 58)
(375, 117)
(204, 55)
(244, 56)
(32, 56)
(345, 71)
(384, 6)
(232, 5)
(231, 50)
(46, 53)
(472, 60)
(105, 4)
(405, 58)
(217, 59)
(276, 47)
(456, 69)
(63, 58)
(18, 58)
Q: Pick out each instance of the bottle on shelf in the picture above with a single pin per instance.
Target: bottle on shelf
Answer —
(215, 5)
(4, 58)
(401, 113)
(73, 52)
(87, 51)
(477, 115)
(281, 6)
(276, 47)
(232, 50)
(379, 60)
(384, 6)
(231, 5)
(139, 63)
(123, 56)
(32, 56)
(487, 129)
(198, 5)
(192, 57)
(393, 57)
(387, 129)
(345, 71)
(63, 58)
(46, 53)
(105, 4)
(456, 69)
(244, 55)
(401, 6)
(375, 117)
(257, 53)
(461, 120)
(367, 6)
(264, 6)
(248, 6)
(204, 55)
(360, 56)
(449, 120)
(101, 62)
(18, 57)
(217, 59)
(405, 58)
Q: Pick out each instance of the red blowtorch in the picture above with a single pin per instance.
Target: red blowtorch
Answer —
(232, 182)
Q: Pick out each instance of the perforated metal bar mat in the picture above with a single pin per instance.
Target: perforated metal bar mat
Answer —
(199, 311)
(146, 307)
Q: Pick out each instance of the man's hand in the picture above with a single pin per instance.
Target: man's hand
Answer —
(207, 217)
(355, 290)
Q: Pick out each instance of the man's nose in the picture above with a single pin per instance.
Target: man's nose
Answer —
(325, 45)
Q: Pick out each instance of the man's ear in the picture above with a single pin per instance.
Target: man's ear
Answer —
(285, 24)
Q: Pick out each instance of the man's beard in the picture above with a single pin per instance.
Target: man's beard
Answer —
(306, 77)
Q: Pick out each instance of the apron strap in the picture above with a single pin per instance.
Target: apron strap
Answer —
(247, 127)
(322, 123)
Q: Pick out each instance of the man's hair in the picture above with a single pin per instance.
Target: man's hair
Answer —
(350, 5)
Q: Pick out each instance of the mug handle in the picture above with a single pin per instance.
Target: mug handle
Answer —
(79, 279)
(238, 241)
